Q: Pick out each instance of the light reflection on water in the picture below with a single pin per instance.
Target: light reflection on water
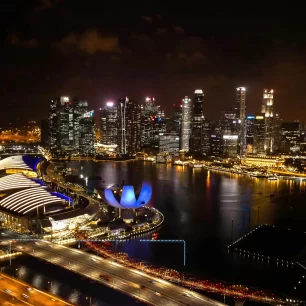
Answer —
(199, 207)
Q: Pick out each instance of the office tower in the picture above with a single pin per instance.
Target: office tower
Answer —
(197, 121)
(259, 133)
(277, 121)
(159, 127)
(86, 133)
(186, 124)
(174, 122)
(129, 126)
(109, 123)
(267, 109)
(53, 123)
(64, 125)
(292, 132)
(169, 142)
(240, 107)
(80, 107)
(249, 133)
(205, 138)
(64, 135)
(230, 144)
(216, 143)
(148, 117)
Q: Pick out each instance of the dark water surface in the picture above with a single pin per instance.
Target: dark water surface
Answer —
(208, 209)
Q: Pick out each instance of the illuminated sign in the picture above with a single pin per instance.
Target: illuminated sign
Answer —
(213, 136)
(250, 117)
(88, 114)
(241, 88)
(231, 137)
(259, 117)
(198, 91)
(110, 104)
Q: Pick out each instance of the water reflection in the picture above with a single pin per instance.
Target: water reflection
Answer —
(199, 207)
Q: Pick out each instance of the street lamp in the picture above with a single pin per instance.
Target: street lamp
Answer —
(89, 298)
(50, 282)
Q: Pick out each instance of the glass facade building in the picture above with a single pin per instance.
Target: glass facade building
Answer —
(186, 124)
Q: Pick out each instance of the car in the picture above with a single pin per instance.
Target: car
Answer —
(29, 289)
(143, 287)
(157, 293)
(186, 294)
(7, 290)
(25, 296)
(152, 281)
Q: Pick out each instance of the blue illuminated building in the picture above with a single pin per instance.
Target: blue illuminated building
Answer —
(126, 198)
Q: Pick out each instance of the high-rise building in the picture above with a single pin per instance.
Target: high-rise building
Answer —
(249, 128)
(240, 107)
(65, 133)
(186, 124)
(109, 123)
(129, 126)
(292, 132)
(267, 109)
(86, 133)
(230, 144)
(148, 117)
(205, 138)
(169, 142)
(64, 125)
(174, 122)
(53, 123)
(80, 107)
(197, 122)
(259, 133)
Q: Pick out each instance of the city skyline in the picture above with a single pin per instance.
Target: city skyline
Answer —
(102, 53)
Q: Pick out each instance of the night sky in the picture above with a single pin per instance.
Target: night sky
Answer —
(103, 50)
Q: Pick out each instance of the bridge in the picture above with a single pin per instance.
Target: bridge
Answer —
(149, 289)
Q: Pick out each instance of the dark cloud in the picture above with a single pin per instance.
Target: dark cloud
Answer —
(46, 4)
(179, 30)
(147, 19)
(90, 42)
(30, 43)
(160, 31)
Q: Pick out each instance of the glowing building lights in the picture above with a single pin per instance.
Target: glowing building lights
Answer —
(110, 104)
(186, 124)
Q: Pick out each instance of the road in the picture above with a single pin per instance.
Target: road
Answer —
(12, 290)
(129, 281)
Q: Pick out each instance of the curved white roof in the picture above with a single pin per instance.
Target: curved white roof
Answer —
(27, 200)
(16, 162)
(16, 181)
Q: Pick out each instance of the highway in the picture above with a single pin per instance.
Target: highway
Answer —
(132, 282)
(15, 292)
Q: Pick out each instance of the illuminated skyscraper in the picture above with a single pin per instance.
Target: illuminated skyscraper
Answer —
(152, 124)
(129, 128)
(60, 124)
(109, 123)
(80, 107)
(267, 109)
(197, 122)
(259, 134)
(240, 107)
(186, 124)
(86, 133)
